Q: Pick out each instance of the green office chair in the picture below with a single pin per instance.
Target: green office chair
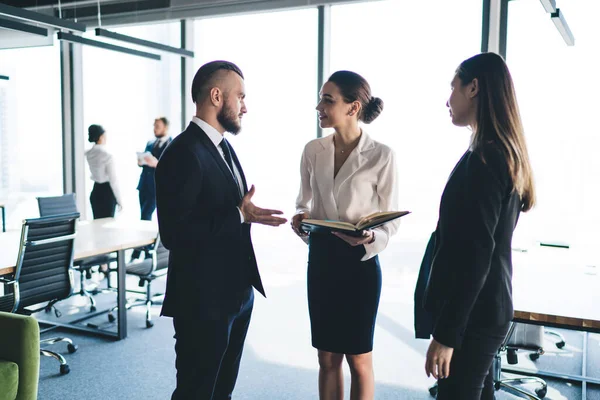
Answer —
(19, 357)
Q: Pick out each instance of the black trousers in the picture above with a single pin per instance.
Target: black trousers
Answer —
(103, 201)
(209, 351)
(147, 206)
(471, 369)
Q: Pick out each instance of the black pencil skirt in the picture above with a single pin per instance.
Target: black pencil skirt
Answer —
(343, 295)
(103, 200)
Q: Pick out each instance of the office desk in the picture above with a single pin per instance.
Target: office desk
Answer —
(97, 237)
(3, 206)
(559, 288)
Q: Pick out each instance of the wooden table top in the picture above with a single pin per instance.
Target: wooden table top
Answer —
(557, 287)
(100, 236)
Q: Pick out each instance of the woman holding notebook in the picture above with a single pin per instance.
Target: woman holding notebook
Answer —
(345, 177)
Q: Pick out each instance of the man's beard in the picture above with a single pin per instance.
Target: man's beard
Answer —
(229, 120)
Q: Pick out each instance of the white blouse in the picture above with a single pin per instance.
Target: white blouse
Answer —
(365, 184)
(103, 168)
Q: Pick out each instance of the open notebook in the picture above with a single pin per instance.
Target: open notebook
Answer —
(369, 222)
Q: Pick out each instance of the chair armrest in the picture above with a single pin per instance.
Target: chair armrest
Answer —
(20, 343)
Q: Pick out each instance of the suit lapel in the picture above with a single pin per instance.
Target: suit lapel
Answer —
(210, 146)
(324, 171)
(355, 161)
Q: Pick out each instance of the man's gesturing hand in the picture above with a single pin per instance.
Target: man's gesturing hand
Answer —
(254, 214)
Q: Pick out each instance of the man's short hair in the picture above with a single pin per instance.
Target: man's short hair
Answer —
(163, 119)
(203, 78)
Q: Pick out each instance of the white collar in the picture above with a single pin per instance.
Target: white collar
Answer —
(163, 139)
(210, 131)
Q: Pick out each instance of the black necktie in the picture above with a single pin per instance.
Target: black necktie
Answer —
(227, 155)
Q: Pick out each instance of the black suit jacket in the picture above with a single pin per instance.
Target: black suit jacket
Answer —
(471, 273)
(211, 260)
(146, 182)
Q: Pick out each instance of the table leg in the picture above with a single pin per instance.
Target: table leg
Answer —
(121, 296)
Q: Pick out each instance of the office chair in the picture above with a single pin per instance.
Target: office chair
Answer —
(147, 270)
(559, 342)
(519, 337)
(19, 357)
(65, 204)
(43, 272)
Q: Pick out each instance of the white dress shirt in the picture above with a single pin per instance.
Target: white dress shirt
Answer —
(103, 168)
(216, 137)
(366, 183)
(162, 140)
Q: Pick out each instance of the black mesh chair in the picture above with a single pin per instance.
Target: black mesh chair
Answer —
(148, 270)
(43, 273)
(65, 204)
(519, 337)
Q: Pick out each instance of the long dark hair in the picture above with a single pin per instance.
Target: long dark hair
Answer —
(356, 88)
(499, 120)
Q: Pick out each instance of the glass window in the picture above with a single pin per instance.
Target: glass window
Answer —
(31, 156)
(557, 88)
(125, 94)
(277, 52)
(408, 52)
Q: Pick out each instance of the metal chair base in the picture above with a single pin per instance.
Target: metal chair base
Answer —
(64, 367)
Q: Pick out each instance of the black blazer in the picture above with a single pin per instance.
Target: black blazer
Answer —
(146, 182)
(211, 260)
(471, 273)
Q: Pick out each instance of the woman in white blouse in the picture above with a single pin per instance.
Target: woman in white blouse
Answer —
(105, 194)
(345, 176)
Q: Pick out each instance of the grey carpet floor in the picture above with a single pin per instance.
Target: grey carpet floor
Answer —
(279, 361)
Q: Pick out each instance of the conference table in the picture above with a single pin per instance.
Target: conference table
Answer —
(558, 288)
(93, 238)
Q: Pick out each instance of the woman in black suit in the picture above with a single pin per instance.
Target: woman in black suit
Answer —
(469, 292)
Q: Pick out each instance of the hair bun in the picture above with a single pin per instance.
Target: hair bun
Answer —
(94, 133)
(372, 110)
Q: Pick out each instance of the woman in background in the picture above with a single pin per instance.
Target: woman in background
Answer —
(345, 176)
(105, 194)
(469, 292)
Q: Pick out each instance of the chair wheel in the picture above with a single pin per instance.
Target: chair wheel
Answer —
(72, 348)
(64, 369)
(534, 356)
(149, 324)
(561, 344)
(511, 357)
(541, 393)
(433, 391)
(92, 308)
(111, 318)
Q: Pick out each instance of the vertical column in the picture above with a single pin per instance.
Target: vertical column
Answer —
(72, 122)
(324, 38)
(188, 109)
(494, 26)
